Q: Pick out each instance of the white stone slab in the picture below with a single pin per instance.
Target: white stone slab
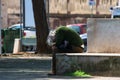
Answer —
(103, 35)
(17, 45)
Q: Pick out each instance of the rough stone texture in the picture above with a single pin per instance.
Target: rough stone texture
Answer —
(103, 35)
(81, 6)
(35, 69)
(96, 65)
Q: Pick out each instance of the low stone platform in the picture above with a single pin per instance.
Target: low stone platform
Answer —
(96, 64)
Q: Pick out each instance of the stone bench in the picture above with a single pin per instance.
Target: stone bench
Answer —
(97, 64)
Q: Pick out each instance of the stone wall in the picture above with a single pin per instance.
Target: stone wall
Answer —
(93, 64)
(81, 6)
(9, 11)
(3, 14)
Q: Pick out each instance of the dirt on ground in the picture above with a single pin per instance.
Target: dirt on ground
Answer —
(25, 54)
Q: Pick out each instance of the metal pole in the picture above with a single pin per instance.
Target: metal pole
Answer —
(23, 13)
(20, 11)
(0, 27)
(91, 11)
(21, 21)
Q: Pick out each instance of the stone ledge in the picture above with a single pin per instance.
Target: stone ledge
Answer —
(97, 64)
(89, 54)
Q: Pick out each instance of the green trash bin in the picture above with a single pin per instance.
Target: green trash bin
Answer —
(8, 40)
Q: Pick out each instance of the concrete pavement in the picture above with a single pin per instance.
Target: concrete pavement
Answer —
(34, 68)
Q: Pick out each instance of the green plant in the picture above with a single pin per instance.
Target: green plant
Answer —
(78, 73)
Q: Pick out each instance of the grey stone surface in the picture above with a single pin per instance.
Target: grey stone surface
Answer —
(24, 68)
(94, 64)
(103, 35)
(34, 69)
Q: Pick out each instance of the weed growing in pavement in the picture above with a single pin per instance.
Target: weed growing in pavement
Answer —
(78, 73)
